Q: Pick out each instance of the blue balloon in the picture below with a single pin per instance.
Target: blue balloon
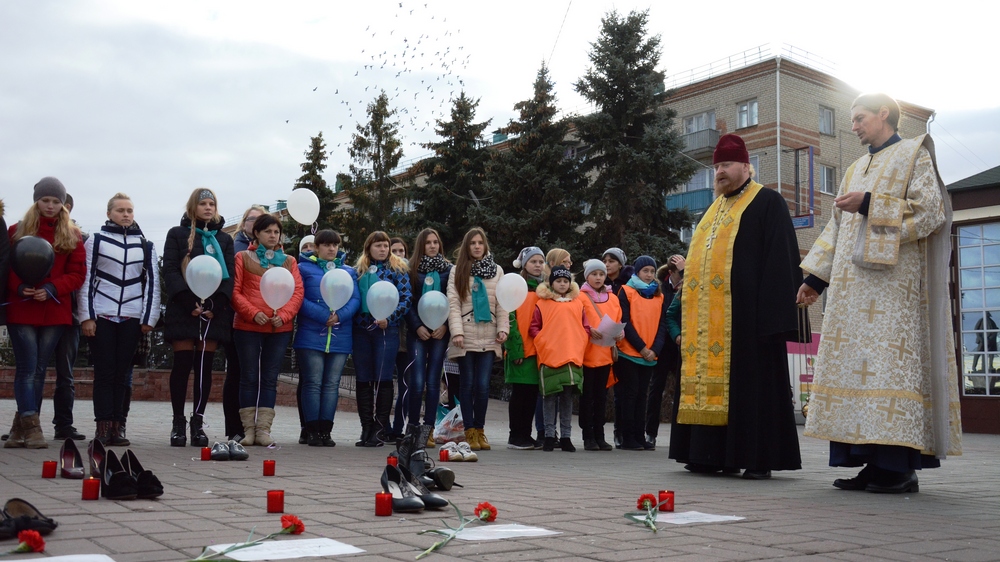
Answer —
(433, 309)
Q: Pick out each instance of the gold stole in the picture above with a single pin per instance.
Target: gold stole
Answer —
(706, 312)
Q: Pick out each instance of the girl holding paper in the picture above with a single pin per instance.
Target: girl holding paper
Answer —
(597, 359)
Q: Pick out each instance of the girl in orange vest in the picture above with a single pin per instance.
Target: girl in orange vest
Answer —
(645, 317)
(598, 300)
(561, 331)
(520, 364)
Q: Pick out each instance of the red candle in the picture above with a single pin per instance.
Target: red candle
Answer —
(443, 455)
(383, 504)
(393, 460)
(275, 501)
(206, 454)
(48, 469)
(268, 468)
(91, 488)
(667, 495)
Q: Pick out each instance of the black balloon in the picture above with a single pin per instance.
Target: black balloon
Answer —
(31, 259)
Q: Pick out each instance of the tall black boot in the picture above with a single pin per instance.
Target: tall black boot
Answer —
(198, 437)
(383, 410)
(365, 396)
(178, 435)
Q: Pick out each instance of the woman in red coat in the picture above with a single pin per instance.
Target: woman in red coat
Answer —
(37, 315)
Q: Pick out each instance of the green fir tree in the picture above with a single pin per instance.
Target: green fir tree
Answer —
(634, 156)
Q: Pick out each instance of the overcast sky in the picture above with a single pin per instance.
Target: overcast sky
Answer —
(156, 98)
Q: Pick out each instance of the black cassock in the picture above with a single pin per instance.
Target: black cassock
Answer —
(761, 434)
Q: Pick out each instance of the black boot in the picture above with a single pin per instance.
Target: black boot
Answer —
(313, 432)
(198, 437)
(599, 439)
(178, 435)
(383, 410)
(589, 443)
(325, 427)
(365, 397)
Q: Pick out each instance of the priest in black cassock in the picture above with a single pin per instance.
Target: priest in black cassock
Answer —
(734, 400)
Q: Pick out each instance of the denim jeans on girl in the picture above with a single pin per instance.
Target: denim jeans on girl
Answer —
(375, 352)
(260, 358)
(33, 347)
(320, 373)
(425, 374)
(475, 368)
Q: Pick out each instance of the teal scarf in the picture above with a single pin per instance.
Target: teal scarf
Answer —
(432, 282)
(647, 290)
(213, 249)
(365, 283)
(480, 301)
(324, 264)
(277, 257)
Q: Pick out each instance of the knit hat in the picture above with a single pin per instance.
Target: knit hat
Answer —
(560, 271)
(310, 239)
(526, 254)
(730, 149)
(617, 253)
(50, 187)
(591, 266)
(643, 261)
(69, 201)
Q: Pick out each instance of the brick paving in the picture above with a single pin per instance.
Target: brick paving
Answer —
(795, 516)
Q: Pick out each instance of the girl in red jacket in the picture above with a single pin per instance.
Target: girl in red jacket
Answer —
(261, 334)
(37, 315)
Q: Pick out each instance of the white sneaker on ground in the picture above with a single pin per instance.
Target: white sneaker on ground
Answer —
(454, 455)
(466, 451)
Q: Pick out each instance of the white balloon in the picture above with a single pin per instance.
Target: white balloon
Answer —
(303, 206)
(382, 299)
(336, 287)
(433, 309)
(203, 276)
(277, 286)
(511, 291)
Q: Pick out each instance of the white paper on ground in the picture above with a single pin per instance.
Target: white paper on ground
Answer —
(285, 549)
(83, 558)
(496, 532)
(685, 517)
(609, 330)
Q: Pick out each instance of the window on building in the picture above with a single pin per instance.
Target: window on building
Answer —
(979, 305)
(825, 120)
(699, 122)
(702, 179)
(746, 114)
(755, 162)
(827, 179)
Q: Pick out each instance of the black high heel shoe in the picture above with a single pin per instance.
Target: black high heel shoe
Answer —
(116, 484)
(96, 452)
(443, 477)
(430, 499)
(404, 497)
(70, 462)
(148, 486)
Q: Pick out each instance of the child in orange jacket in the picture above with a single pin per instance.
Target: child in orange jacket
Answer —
(598, 300)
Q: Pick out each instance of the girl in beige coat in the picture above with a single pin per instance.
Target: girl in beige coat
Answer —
(478, 326)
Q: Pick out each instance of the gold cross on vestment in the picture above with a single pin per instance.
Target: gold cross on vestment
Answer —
(710, 240)
(845, 277)
(871, 311)
(864, 372)
(882, 241)
(829, 401)
(839, 339)
(891, 411)
(901, 348)
(908, 290)
(857, 435)
(891, 179)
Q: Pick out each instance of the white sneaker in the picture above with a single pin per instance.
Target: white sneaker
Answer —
(454, 455)
(466, 451)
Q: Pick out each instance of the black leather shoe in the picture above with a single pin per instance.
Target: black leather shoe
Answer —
(895, 483)
(430, 499)
(19, 515)
(148, 486)
(550, 444)
(70, 461)
(859, 482)
(404, 498)
(701, 468)
(567, 445)
(303, 436)
(116, 484)
(756, 474)
(69, 432)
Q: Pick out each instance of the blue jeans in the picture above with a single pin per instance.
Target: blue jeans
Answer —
(320, 374)
(475, 368)
(425, 373)
(33, 347)
(375, 353)
(260, 358)
(65, 394)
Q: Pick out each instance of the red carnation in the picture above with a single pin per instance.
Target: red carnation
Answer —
(486, 512)
(292, 524)
(646, 501)
(30, 541)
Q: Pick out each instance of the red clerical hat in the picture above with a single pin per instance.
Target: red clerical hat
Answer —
(730, 149)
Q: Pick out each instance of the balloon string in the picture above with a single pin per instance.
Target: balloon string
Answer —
(314, 228)
(51, 294)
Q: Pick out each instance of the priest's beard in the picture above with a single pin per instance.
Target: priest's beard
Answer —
(726, 184)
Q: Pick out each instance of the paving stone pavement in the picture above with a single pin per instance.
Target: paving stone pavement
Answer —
(583, 495)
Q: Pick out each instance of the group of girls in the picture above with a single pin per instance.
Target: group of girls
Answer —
(555, 350)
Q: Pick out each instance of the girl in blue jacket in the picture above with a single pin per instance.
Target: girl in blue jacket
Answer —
(323, 339)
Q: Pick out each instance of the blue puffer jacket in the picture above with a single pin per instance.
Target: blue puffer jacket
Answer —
(412, 316)
(312, 332)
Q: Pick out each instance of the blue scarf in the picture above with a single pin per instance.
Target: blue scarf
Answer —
(432, 282)
(213, 249)
(647, 290)
(277, 257)
(480, 301)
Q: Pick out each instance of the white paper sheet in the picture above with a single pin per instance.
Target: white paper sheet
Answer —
(685, 517)
(609, 330)
(82, 558)
(285, 549)
(497, 532)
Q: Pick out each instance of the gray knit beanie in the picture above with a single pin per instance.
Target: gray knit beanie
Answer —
(617, 253)
(591, 266)
(50, 187)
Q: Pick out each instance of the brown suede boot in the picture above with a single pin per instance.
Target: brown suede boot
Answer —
(265, 416)
(472, 438)
(16, 438)
(32, 430)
